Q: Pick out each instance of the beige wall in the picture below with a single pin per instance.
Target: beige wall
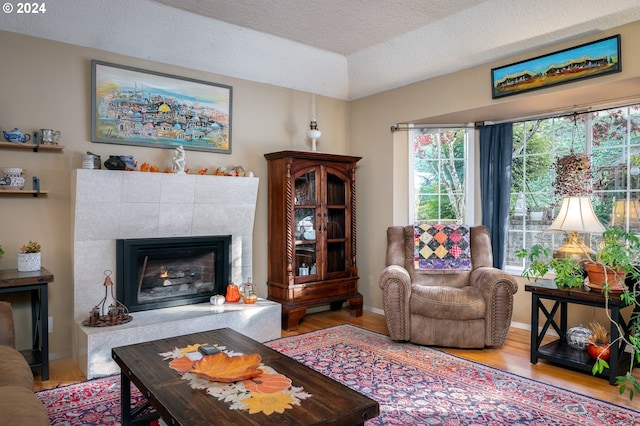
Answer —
(47, 84)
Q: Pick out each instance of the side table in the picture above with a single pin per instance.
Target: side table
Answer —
(13, 281)
(559, 350)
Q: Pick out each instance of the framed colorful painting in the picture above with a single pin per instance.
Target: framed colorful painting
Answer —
(587, 60)
(132, 106)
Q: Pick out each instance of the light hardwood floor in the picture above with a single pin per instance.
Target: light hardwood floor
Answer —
(512, 357)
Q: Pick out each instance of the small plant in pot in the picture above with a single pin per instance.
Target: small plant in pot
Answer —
(616, 260)
(568, 273)
(29, 257)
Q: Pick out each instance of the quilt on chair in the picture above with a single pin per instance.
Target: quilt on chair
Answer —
(442, 247)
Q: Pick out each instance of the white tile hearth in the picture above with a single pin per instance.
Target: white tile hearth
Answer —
(110, 205)
(259, 321)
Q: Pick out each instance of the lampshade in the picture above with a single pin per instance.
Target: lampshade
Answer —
(576, 215)
(619, 214)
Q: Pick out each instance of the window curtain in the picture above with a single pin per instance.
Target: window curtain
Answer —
(496, 146)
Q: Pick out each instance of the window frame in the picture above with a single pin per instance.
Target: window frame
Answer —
(469, 170)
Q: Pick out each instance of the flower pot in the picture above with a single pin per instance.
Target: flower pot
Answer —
(598, 276)
(28, 262)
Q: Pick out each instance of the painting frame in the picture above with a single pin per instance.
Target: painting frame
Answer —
(134, 106)
(560, 67)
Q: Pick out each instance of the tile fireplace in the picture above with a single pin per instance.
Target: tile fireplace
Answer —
(109, 206)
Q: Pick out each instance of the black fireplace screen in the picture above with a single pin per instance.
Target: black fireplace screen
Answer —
(154, 273)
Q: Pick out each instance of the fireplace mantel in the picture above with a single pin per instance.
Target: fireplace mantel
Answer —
(108, 205)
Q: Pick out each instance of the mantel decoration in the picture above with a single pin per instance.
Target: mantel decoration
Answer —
(132, 106)
(587, 60)
(313, 134)
(116, 314)
(29, 257)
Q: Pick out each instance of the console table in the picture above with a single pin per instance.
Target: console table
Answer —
(13, 281)
(559, 350)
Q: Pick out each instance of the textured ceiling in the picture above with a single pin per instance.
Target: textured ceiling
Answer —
(346, 49)
(340, 26)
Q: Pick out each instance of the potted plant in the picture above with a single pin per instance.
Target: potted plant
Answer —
(568, 273)
(1, 251)
(29, 257)
(617, 259)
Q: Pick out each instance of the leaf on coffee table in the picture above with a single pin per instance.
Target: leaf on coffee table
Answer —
(222, 368)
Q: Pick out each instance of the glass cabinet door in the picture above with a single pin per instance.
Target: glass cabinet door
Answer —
(305, 214)
(335, 224)
(321, 225)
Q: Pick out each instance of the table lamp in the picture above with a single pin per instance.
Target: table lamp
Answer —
(576, 216)
(620, 214)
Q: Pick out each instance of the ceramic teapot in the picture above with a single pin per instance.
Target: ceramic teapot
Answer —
(16, 136)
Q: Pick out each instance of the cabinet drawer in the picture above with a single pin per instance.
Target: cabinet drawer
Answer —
(315, 291)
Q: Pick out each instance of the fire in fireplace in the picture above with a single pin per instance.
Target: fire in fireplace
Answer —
(154, 273)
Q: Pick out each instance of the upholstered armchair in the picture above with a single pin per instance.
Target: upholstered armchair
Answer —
(451, 308)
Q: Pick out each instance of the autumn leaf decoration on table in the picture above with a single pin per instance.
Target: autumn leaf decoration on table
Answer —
(239, 379)
(221, 367)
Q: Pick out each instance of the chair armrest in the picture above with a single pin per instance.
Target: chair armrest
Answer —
(498, 288)
(395, 283)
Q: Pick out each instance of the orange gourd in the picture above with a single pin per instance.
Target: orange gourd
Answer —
(233, 293)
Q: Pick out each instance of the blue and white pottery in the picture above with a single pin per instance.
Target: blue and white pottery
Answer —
(16, 136)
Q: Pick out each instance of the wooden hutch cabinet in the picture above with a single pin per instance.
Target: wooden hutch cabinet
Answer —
(312, 233)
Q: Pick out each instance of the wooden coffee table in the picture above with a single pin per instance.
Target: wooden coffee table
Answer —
(177, 403)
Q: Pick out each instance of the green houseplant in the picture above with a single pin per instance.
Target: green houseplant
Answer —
(619, 253)
(568, 273)
(618, 258)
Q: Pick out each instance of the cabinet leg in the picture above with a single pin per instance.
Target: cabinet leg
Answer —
(355, 304)
(291, 317)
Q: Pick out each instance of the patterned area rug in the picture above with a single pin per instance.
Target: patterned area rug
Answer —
(94, 402)
(414, 385)
(417, 385)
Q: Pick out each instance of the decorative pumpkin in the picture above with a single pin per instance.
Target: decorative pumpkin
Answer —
(599, 342)
(268, 383)
(599, 351)
(578, 337)
(233, 293)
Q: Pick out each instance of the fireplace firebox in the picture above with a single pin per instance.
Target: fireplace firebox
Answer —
(153, 273)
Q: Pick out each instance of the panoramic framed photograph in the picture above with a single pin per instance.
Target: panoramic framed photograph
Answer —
(576, 63)
(132, 106)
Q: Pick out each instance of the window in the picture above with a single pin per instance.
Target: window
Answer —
(612, 140)
(439, 162)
